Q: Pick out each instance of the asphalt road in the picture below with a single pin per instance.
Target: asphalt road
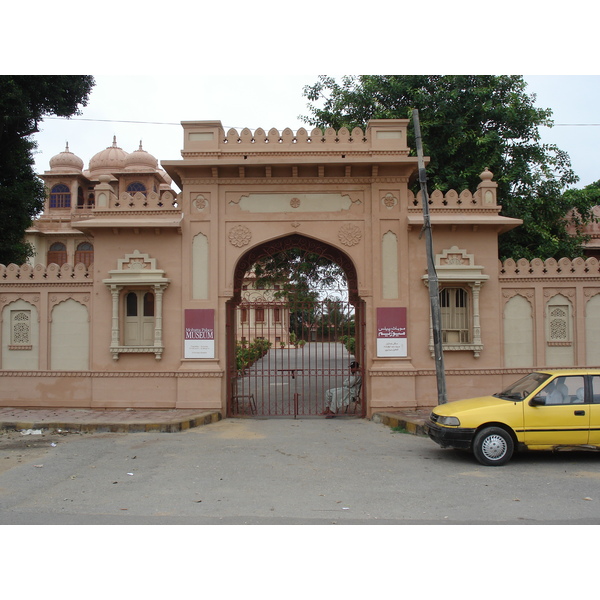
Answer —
(284, 471)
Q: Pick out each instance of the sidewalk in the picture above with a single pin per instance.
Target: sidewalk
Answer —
(168, 421)
(100, 420)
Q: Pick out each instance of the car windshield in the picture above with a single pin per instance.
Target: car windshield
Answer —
(522, 388)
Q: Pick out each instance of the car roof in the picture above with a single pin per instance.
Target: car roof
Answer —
(580, 371)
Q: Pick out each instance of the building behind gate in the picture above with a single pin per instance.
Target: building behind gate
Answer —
(135, 295)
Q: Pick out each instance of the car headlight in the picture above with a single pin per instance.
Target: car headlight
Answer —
(448, 421)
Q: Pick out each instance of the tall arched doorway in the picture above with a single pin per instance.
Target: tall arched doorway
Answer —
(295, 323)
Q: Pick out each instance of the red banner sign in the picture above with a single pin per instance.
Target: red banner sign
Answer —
(199, 333)
(391, 332)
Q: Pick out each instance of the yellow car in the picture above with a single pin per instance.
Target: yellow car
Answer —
(545, 410)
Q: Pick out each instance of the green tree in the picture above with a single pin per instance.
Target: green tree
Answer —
(24, 101)
(298, 273)
(303, 279)
(468, 123)
(589, 195)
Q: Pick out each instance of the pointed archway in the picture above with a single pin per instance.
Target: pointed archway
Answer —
(285, 350)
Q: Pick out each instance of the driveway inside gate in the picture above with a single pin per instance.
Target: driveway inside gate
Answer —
(292, 382)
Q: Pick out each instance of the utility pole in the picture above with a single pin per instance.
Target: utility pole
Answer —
(434, 292)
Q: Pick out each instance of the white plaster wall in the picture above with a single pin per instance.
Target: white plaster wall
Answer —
(200, 267)
(69, 337)
(518, 333)
(592, 331)
(389, 261)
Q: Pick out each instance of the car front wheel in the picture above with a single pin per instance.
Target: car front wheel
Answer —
(493, 446)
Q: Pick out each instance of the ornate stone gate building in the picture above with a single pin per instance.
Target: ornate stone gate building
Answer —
(127, 302)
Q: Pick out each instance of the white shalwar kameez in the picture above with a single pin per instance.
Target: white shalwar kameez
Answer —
(336, 398)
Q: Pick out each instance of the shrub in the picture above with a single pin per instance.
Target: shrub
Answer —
(248, 354)
(349, 343)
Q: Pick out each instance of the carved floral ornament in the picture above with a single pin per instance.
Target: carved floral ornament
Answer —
(56, 299)
(136, 264)
(9, 299)
(508, 294)
(239, 236)
(200, 202)
(566, 292)
(389, 200)
(349, 234)
(137, 268)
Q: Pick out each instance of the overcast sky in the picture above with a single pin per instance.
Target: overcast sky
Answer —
(245, 64)
(145, 108)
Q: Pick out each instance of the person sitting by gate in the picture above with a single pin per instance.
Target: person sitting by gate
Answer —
(336, 398)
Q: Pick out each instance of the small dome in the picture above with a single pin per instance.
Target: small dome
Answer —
(140, 160)
(487, 175)
(66, 162)
(108, 160)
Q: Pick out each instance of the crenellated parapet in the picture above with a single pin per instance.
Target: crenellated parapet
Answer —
(202, 137)
(52, 273)
(564, 268)
(468, 209)
(166, 200)
(161, 200)
(484, 198)
(316, 136)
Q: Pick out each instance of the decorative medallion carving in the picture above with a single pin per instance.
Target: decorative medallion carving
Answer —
(295, 202)
(349, 234)
(200, 202)
(239, 236)
(389, 200)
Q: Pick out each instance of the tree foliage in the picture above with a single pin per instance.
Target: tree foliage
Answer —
(311, 285)
(468, 123)
(300, 275)
(590, 195)
(24, 101)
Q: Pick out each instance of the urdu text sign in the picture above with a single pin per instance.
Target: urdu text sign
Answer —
(391, 332)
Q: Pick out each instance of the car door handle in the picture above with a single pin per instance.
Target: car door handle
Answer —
(579, 413)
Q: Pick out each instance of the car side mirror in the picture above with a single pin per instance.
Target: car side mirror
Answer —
(537, 401)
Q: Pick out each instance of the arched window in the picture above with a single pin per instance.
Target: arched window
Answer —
(560, 349)
(139, 319)
(454, 309)
(20, 330)
(135, 187)
(60, 196)
(84, 254)
(57, 254)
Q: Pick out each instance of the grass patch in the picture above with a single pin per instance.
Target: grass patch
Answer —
(399, 429)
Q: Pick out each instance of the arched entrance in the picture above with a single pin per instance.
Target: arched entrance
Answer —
(295, 323)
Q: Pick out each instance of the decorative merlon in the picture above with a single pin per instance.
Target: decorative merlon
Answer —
(207, 136)
(549, 268)
(42, 274)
